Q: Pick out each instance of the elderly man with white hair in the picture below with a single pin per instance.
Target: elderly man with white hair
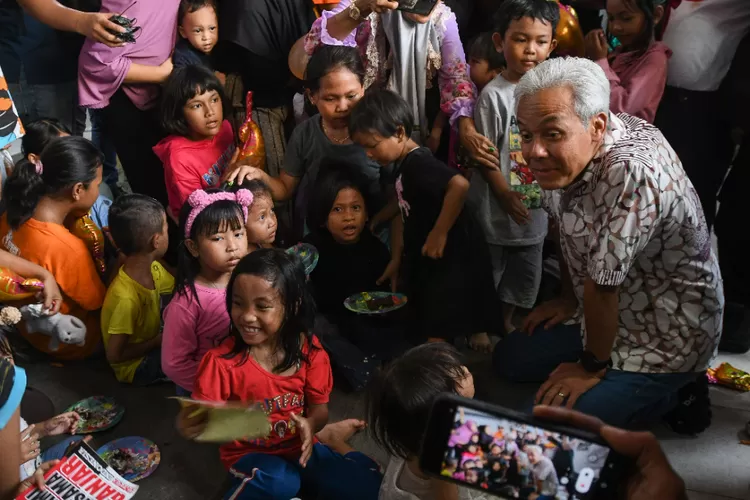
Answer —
(635, 256)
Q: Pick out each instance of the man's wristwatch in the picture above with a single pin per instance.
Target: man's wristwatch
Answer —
(354, 12)
(591, 364)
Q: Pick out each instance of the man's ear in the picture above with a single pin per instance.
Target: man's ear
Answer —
(599, 126)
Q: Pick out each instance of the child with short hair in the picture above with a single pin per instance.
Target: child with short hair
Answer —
(261, 223)
(201, 142)
(64, 183)
(131, 314)
(449, 280)
(398, 419)
(514, 227)
(271, 357)
(198, 26)
(637, 69)
(196, 319)
(485, 63)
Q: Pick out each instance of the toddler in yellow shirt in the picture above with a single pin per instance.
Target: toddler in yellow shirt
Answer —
(131, 315)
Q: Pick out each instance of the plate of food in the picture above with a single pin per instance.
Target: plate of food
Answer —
(375, 302)
(98, 413)
(133, 458)
(307, 253)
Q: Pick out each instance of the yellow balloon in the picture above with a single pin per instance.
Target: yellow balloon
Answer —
(569, 35)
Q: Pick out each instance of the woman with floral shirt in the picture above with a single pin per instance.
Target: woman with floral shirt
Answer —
(407, 53)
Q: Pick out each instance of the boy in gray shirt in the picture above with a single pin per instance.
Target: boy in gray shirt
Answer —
(508, 201)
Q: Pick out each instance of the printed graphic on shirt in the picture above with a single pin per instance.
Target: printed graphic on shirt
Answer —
(11, 127)
(284, 427)
(9, 245)
(213, 176)
(402, 203)
(521, 178)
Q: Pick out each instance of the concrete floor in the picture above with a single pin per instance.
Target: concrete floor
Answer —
(714, 465)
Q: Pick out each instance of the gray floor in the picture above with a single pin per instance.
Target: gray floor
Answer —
(714, 465)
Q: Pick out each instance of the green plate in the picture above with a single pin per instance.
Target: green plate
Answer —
(358, 302)
(98, 413)
(307, 253)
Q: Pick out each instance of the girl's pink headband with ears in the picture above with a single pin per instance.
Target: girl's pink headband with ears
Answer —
(200, 199)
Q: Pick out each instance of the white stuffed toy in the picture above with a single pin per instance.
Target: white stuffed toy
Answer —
(60, 327)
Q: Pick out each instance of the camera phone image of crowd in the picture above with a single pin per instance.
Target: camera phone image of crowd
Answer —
(516, 460)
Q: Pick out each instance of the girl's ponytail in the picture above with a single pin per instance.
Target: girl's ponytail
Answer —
(23, 189)
(65, 162)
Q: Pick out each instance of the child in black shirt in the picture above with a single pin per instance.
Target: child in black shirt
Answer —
(351, 260)
(199, 32)
(437, 243)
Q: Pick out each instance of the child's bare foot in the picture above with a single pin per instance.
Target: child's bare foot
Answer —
(480, 342)
(341, 432)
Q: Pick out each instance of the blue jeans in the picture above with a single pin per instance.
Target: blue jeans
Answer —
(105, 144)
(149, 371)
(328, 475)
(623, 399)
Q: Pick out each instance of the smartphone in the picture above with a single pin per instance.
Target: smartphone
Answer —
(419, 7)
(513, 455)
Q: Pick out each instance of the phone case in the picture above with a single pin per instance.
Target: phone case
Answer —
(419, 7)
(436, 447)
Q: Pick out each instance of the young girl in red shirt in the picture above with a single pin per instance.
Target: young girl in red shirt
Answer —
(271, 357)
(201, 142)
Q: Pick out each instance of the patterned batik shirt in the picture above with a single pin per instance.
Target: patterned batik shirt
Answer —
(633, 220)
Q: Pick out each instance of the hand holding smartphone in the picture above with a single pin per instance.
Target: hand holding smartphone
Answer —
(419, 7)
(513, 455)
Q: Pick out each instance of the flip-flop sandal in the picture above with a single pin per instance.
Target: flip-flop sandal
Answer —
(482, 347)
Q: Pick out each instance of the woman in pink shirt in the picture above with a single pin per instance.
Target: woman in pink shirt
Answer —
(637, 70)
(124, 82)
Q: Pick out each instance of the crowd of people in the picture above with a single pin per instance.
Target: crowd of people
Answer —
(414, 166)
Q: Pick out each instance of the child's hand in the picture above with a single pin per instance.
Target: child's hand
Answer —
(306, 435)
(51, 296)
(37, 479)
(192, 421)
(238, 172)
(73, 444)
(512, 203)
(596, 45)
(30, 447)
(391, 273)
(67, 423)
(435, 244)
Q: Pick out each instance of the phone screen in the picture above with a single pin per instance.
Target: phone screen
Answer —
(518, 460)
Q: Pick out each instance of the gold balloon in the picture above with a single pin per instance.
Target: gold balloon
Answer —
(569, 35)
